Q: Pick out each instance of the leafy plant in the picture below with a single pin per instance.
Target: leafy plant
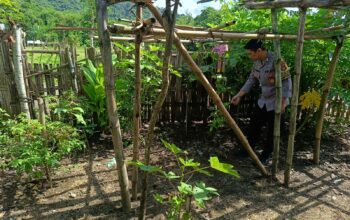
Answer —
(179, 202)
(28, 146)
(95, 91)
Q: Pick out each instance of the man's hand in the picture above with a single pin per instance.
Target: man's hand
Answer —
(236, 99)
(284, 104)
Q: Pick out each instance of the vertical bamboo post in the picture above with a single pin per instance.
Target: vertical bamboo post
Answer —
(295, 97)
(204, 81)
(169, 20)
(106, 52)
(18, 69)
(324, 99)
(72, 72)
(278, 84)
(137, 103)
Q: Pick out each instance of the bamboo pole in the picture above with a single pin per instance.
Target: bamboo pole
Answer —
(212, 93)
(41, 51)
(278, 84)
(72, 71)
(296, 3)
(168, 21)
(334, 28)
(295, 97)
(161, 40)
(221, 26)
(324, 99)
(222, 35)
(137, 104)
(18, 69)
(105, 45)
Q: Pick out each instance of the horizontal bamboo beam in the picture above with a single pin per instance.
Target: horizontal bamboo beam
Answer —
(334, 28)
(73, 28)
(41, 51)
(221, 26)
(55, 68)
(159, 40)
(296, 3)
(213, 34)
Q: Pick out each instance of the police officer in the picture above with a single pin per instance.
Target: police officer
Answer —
(263, 71)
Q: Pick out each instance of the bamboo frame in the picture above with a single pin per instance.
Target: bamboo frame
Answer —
(295, 97)
(223, 35)
(296, 3)
(322, 109)
(101, 8)
(278, 84)
(168, 21)
(212, 93)
(137, 105)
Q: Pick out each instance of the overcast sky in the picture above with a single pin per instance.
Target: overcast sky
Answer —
(190, 6)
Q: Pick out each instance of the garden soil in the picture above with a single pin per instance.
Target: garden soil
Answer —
(86, 186)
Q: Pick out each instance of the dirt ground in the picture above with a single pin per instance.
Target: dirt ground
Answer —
(86, 188)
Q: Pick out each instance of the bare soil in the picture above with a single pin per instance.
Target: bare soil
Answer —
(84, 187)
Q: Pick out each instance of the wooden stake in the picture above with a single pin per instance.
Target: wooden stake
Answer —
(137, 104)
(324, 99)
(168, 21)
(106, 51)
(278, 83)
(212, 93)
(295, 97)
(18, 70)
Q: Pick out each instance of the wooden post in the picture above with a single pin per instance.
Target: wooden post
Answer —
(137, 103)
(324, 99)
(278, 83)
(106, 52)
(215, 97)
(18, 68)
(72, 72)
(169, 20)
(295, 97)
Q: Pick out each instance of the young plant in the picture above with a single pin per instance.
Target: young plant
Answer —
(30, 147)
(95, 91)
(179, 202)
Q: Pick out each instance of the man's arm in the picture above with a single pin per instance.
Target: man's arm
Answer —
(245, 89)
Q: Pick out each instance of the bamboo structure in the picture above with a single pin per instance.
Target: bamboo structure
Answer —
(324, 98)
(295, 97)
(101, 8)
(18, 69)
(296, 3)
(137, 103)
(278, 83)
(168, 21)
(219, 35)
(212, 93)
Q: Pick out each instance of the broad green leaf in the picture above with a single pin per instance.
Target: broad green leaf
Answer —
(146, 168)
(222, 167)
(185, 188)
(189, 163)
(172, 147)
(201, 193)
(171, 175)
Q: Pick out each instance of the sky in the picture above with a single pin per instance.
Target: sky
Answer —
(190, 6)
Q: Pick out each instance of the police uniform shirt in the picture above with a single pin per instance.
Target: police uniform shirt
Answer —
(264, 72)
